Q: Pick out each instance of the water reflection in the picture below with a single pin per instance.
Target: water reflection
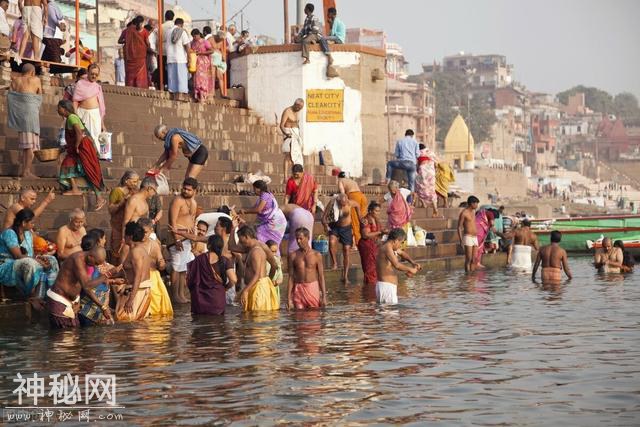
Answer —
(487, 348)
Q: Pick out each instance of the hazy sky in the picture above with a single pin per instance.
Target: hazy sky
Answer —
(553, 44)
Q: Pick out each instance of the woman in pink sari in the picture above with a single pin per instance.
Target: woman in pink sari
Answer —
(484, 223)
(426, 179)
(399, 211)
(202, 80)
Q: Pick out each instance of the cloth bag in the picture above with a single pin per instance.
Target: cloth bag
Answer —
(162, 182)
(411, 238)
(106, 153)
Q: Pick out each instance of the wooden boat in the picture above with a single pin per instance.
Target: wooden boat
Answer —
(576, 231)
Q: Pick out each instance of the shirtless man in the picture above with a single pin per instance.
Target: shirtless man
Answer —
(70, 235)
(609, 258)
(137, 206)
(520, 251)
(386, 265)
(347, 185)
(306, 275)
(468, 234)
(26, 201)
(259, 293)
(134, 298)
(182, 217)
(34, 15)
(341, 231)
(25, 96)
(64, 297)
(292, 143)
(554, 260)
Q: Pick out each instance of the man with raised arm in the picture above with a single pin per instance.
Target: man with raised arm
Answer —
(26, 200)
(388, 263)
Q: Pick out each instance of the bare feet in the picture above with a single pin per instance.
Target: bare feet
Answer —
(306, 61)
(28, 174)
(37, 304)
(334, 267)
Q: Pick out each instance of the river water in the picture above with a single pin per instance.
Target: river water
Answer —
(489, 349)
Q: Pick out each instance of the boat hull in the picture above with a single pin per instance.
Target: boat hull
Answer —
(575, 240)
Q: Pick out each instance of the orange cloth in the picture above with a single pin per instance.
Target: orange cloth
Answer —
(306, 295)
(360, 199)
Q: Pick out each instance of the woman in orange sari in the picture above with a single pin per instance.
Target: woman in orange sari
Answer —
(302, 189)
(202, 78)
(81, 160)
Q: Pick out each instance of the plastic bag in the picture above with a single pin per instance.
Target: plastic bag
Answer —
(193, 62)
(106, 153)
(162, 182)
(62, 141)
(411, 238)
(420, 236)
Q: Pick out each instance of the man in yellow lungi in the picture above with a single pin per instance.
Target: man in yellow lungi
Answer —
(260, 293)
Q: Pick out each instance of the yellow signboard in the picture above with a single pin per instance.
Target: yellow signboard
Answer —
(325, 105)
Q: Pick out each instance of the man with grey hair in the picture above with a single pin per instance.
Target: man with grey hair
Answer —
(176, 139)
(137, 205)
(70, 235)
(292, 144)
(26, 200)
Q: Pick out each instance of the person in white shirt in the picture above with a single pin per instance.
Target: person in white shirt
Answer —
(5, 29)
(231, 37)
(168, 23)
(152, 50)
(177, 47)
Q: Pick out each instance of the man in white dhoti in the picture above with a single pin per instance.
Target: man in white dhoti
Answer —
(292, 146)
(519, 257)
(88, 101)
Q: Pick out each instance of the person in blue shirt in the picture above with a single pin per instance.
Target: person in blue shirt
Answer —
(407, 152)
(338, 30)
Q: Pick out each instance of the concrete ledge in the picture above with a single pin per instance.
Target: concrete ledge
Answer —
(314, 47)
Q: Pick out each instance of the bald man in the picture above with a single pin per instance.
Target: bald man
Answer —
(609, 258)
(292, 144)
(24, 100)
(26, 200)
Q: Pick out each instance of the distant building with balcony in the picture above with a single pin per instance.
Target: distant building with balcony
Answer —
(411, 106)
(484, 72)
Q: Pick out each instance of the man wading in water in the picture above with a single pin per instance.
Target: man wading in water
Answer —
(468, 234)
(553, 259)
(386, 265)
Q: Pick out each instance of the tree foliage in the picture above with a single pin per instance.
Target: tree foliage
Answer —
(451, 92)
(624, 105)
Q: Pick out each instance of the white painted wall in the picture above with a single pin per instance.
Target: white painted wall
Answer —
(273, 81)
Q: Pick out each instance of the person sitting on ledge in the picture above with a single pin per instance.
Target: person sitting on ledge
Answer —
(310, 33)
(174, 140)
(338, 33)
(406, 153)
(70, 235)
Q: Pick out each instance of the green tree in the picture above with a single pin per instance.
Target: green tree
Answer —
(595, 99)
(451, 92)
(626, 107)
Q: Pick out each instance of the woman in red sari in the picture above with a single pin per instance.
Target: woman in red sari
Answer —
(302, 189)
(368, 245)
(202, 78)
(81, 160)
(136, 46)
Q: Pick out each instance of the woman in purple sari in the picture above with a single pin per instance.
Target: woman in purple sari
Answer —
(208, 277)
(484, 224)
(271, 221)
